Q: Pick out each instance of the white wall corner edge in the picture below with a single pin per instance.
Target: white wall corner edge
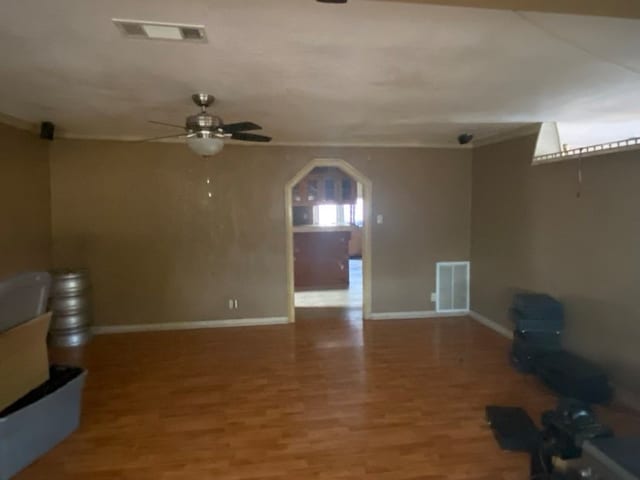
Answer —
(493, 325)
(159, 327)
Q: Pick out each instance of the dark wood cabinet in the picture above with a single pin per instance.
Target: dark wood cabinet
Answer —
(312, 190)
(324, 186)
(321, 259)
(329, 191)
(348, 191)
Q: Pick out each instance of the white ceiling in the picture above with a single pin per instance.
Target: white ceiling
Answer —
(378, 73)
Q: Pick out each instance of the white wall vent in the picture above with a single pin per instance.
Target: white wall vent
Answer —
(452, 286)
(160, 31)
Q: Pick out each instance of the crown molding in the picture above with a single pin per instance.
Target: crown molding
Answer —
(137, 138)
(515, 133)
(18, 123)
(61, 134)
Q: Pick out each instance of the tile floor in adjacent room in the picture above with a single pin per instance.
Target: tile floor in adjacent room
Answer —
(347, 298)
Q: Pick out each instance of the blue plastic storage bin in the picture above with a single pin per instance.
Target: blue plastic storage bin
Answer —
(40, 420)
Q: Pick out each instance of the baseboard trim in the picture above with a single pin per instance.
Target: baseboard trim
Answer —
(159, 327)
(415, 315)
(495, 326)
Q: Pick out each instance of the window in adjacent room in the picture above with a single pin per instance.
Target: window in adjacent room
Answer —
(333, 214)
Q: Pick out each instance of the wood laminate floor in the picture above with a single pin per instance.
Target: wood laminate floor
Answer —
(325, 398)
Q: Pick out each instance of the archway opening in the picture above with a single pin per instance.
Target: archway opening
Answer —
(328, 240)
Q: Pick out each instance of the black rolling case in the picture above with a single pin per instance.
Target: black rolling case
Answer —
(529, 346)
(537, 305)
(537, 312)
(572, 376)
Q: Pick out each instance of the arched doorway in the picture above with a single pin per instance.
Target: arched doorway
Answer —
(366, 229)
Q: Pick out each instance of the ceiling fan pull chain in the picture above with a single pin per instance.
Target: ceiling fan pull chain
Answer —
(579, 176)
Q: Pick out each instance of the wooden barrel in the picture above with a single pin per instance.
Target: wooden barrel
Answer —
(71, 308)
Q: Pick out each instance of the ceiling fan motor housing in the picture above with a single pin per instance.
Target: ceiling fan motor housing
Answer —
(205, 132)
(203, 121)
(203, 99)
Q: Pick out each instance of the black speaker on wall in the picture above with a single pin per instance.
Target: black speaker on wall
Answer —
(46, 130)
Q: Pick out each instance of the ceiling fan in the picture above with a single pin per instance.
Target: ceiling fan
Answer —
(205, 133)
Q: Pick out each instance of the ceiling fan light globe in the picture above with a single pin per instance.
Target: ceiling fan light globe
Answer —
(205, 145)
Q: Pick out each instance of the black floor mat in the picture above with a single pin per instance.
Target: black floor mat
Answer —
(513, 428)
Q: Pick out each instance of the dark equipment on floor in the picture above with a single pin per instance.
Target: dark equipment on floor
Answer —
(572, 376)
(513, 428)
(538, 321)
(537, 312)
(610, 458)
(566, 428)
(537, 348)
(571, 431)
(567, 432)
(528, 347)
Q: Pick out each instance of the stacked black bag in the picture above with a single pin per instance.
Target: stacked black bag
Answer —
(572, 376)
(539, 321)
(537, 348)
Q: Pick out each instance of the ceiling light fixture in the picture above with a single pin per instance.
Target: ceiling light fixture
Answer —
(205, 132)
(205, 143)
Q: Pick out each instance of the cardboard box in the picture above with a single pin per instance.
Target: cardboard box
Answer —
(24, 362)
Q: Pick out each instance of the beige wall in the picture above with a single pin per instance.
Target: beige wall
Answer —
(530, 231)
(160, 250)
(25, 223)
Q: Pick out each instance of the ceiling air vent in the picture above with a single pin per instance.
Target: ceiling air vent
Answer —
(192, 33)
(133, 30)
(160, 30)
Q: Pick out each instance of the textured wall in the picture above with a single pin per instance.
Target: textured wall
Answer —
(25, 208)
(160, 250)
(530, 231)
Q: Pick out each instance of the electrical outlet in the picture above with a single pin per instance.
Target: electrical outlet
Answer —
(231, 304)
(434, 297)
(235, 304)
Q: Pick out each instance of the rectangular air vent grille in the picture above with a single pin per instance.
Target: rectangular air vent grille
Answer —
(452, 286)
(160, 31)
(133, 29)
